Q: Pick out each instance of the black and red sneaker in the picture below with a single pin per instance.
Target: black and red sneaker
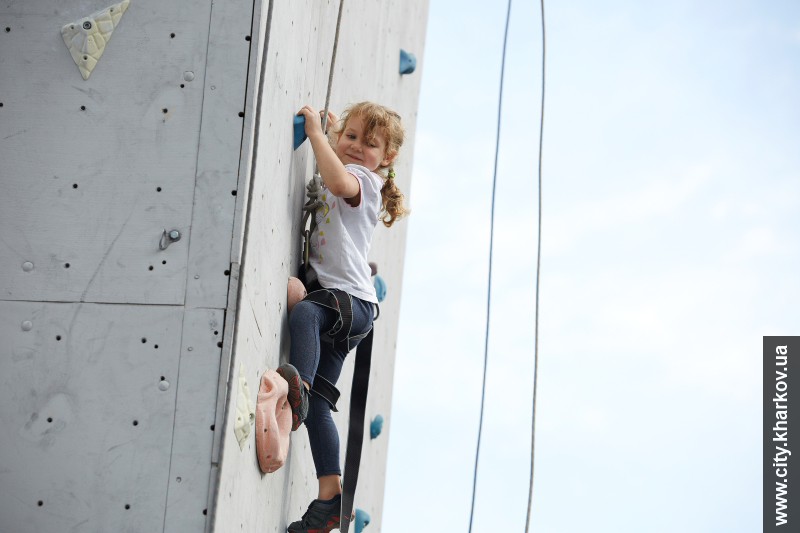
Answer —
(298, 395)
(321, 517)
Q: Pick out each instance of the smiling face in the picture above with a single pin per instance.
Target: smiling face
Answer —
(353, 146)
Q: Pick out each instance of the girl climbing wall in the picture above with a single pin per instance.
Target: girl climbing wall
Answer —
(358, 190)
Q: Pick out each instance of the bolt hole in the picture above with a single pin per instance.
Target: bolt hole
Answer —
(144, 340)
(74, 185)
(219, 344)
(216, 333)
(135, 422)
(163, 378)
(165, 110)
(211, 427)
(171, 35)
(205, 512)
(150, 268)
(49, 419)
(85, 58)
(83, 108)
(227, 272)
(233, 193)
(8, 29)
(158, 189)
(246, 37)
(155, 346)
(127, 506)
(40, 502)
(241, 113)
(58, 337)
(66, 265)
(164, 262)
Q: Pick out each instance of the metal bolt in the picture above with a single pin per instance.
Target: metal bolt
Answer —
(87, 25)
(174, 235)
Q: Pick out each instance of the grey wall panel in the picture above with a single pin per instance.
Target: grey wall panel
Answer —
(220, 152)
(190, 466)
(109, 160)
(88, 394)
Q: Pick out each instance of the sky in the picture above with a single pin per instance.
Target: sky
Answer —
(670, 246)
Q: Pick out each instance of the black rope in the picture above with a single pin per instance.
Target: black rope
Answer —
(491, 254)
(538, 269)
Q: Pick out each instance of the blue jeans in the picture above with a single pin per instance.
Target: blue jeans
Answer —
(313, 358)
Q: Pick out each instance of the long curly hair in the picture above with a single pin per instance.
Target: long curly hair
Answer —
(381, 121)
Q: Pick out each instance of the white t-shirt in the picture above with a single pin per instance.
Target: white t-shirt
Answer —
(341, 241)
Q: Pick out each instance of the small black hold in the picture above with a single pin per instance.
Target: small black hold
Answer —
(8, 29)
(211, 427)
(233, 193)
(135, 422)
(158, 189)
(127, 506)
(165, 110)
(219, 344)
(216, 333)
(241, 113)
(182, 86)
(227, 272)
(66, 265)
(50, 419)
(171, 35)
(74, 185)
(40, 502)
(155, 346)
(246, 37)
(164, 262)
(163, 378)
(144, 340)
(58, 337)
(205, 511)
(83, 108)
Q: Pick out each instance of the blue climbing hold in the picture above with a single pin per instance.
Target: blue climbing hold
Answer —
(362, 520)
(408, 62)
(375, 427)
(380, 287)
(299, 130)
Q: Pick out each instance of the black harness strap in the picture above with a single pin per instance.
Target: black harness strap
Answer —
(355, 435)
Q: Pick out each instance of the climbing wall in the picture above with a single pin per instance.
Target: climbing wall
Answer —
(111, 328)
(149, 220)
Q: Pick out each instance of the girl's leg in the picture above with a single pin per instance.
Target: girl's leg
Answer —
(322, 433)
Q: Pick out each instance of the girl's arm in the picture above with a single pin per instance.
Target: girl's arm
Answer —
(340, 182)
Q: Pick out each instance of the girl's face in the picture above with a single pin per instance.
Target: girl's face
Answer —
(353, 147)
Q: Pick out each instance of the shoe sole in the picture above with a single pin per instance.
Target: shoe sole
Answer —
(290, 374)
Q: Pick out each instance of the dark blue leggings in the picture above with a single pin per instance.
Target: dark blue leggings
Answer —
(314, 358)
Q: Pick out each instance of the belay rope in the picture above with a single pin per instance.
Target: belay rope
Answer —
(358, 391)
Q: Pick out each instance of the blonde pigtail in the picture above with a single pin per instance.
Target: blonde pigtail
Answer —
(392, 199)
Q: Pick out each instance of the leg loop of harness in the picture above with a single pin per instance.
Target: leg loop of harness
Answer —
(327, 391)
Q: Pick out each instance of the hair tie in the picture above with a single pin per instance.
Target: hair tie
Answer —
(391, 173)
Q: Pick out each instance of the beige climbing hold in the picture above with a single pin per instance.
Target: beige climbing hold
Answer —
(273, 422)
(86, 38)
(245, 414)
